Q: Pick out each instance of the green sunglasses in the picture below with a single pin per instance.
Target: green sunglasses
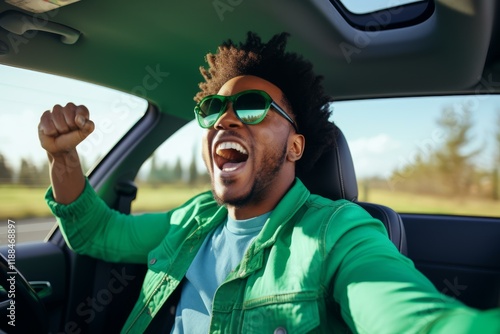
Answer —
(250, 106)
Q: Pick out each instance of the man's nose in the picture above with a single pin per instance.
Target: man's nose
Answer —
(228, 119)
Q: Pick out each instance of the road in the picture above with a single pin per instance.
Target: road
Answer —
(32, 229)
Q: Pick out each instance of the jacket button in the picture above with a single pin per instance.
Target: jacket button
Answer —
(152, 261)
(280, 330)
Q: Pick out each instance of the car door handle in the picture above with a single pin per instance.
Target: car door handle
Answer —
(42, 288)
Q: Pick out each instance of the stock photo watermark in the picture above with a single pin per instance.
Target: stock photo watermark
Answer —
(372, 29)
(460, 114)
(12, 273)
(40, 20)
(121, 109)
(455, 289)
(221, 7)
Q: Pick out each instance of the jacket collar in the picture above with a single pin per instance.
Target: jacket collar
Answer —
(282, 215)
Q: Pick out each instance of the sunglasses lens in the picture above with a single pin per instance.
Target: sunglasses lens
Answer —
(251, 107)
(208, 110)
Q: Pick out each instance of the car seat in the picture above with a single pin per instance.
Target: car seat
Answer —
(333, 176)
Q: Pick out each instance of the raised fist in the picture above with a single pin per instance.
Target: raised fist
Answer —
(63, 128)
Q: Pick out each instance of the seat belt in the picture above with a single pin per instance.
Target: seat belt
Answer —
(127, 192)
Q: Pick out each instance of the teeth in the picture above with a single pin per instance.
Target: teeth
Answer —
(232, 145)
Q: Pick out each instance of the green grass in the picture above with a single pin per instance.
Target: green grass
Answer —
(21, 202)
(164, 197)
(414, 203)
(17, 202)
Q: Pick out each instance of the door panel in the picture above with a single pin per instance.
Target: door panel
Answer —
(460, 255)
(44, 265)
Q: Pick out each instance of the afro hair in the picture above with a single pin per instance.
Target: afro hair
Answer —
(289, 71)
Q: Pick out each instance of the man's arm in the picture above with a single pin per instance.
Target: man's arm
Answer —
(60, 131)
(380, 291)
(88, 224)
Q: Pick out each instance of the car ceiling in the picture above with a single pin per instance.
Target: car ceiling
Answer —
(122, 42)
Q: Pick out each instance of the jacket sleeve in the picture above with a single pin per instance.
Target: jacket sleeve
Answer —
(90, 227)
(380, 291)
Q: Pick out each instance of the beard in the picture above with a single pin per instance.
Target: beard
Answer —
(270, 167)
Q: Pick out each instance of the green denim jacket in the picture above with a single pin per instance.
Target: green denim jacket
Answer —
(317, 266)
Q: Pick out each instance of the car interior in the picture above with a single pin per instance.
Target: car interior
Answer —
(153, 50)
(334, 177)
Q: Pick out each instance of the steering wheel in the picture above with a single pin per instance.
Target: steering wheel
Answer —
(19, 304)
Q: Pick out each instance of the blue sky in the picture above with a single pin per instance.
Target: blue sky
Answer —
(387, 133)
(364, 6)
(382, 134)
(25, 95)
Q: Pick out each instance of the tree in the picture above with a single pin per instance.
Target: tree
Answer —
(177, 171)
(497, 139)
(193, 171)
(153, 171)
(43, 175)
(446, 168)
(27, 173)
(454, 158)
(420, 176)
(159, 174)
(496, 163)
(6, 173)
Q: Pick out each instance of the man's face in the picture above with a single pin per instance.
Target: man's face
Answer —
(249, 163)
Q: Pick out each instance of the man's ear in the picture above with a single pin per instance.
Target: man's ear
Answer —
(296, 144)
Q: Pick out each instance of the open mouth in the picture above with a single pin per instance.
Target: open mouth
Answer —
(230, 155)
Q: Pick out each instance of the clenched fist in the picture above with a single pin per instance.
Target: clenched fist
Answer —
(63, 128)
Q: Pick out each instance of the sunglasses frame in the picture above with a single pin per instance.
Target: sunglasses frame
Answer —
(232, 98)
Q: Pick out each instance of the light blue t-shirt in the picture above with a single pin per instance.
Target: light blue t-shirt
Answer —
(219, 254)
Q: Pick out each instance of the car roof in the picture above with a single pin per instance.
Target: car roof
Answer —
(154, 49)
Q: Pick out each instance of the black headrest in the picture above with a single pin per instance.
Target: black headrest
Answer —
(333, 175)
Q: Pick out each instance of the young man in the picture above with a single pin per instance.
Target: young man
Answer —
(259, 253)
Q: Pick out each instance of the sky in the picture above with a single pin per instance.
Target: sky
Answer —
(382, 134)
(364, 6)
(388, 133)
(25, 95)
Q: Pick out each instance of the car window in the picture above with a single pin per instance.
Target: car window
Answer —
(174, 173)
(23, 163)
(438, 155)
(425, 155)
(365, 7)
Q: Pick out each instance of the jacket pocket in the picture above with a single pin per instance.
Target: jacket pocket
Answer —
(281, 318)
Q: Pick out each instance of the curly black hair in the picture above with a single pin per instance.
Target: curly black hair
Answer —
(290, 72)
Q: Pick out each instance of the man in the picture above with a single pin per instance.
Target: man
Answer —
(258, 253)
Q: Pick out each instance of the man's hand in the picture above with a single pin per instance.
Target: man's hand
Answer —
(60, 131)
(63, 128)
